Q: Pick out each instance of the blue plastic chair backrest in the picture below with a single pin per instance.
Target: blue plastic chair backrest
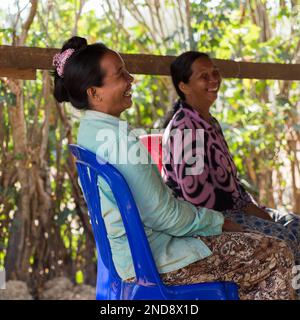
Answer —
(89, 168)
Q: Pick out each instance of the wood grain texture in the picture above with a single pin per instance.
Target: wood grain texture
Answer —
(41, 58)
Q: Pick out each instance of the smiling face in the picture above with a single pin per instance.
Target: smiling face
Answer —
(203, 85)
(114, 96)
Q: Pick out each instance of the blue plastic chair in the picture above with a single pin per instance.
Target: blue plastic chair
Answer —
(148, 283)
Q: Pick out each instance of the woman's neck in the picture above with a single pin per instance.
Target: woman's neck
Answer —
(201, 108)
(106, 110)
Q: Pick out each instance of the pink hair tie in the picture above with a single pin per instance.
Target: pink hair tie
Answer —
(60, 59)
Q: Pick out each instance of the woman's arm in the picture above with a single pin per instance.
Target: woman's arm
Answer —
(230, 226)
(253, 210)
(159, 209)
(187, 170)
(250, 207)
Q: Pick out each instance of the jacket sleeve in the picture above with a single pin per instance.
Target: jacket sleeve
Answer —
(160, 210)
(188, 169)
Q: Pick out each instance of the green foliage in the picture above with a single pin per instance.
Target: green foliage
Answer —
(79, 277)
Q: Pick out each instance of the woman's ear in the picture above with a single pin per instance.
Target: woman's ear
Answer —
(184, 88)
(93, 94)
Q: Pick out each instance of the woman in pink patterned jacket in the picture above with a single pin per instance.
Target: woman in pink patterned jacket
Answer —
(216, 184)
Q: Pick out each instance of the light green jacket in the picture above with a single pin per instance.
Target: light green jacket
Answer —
(170, 224)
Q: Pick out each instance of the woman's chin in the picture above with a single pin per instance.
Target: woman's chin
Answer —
(212, 97)
(127, 104)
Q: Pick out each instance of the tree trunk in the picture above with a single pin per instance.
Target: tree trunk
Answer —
(18, 251)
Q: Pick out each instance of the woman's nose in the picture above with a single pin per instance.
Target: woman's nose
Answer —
(214, 78)
(131, 78)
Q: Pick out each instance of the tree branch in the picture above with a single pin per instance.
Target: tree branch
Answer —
(28, 22)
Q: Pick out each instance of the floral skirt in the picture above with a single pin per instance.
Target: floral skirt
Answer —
(285, 226)
(260, 265)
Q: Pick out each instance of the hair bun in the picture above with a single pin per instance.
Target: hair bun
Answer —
(75, 43)
(60, 92)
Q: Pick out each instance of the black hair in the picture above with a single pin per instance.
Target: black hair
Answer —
(181, 71)
(81, 71)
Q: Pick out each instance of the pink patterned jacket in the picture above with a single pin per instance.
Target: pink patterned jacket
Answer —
(218, 186)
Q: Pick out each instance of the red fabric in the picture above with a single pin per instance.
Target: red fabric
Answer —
(153, 143)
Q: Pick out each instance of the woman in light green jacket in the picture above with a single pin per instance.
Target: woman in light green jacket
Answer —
(189, 245)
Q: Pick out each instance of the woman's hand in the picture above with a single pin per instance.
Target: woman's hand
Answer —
(230, 226)
(254, 210)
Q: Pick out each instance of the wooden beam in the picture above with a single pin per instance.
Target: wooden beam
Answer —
(24, 74)
(26, 57)
(41, 58)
